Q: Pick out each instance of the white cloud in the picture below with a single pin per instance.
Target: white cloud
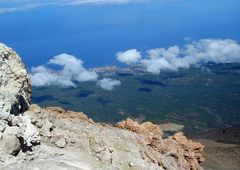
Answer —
(108, 83)
(215, 50)
(23, 5)
(73, 68)
(42, 76)
(192, 54)
(86, 76)
(72, 71)
(129, 57)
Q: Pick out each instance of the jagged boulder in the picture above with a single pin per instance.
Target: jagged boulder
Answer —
(15, 86)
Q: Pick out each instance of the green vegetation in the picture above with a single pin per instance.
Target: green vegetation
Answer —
(197, 98)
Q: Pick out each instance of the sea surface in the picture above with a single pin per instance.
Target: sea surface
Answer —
(95, 33)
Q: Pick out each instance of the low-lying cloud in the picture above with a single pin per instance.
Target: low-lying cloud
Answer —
(129, 57)
(72, 72)
(108, 83)
(42, 76)
(73, 68)
(195, 53)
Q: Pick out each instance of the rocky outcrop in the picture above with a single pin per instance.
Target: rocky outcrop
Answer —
(15, 87)
(17, 134)
(75, 140)
(171, 153)
(52, 138)
(146, 128)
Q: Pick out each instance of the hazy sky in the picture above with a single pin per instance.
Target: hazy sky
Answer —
(95, 30)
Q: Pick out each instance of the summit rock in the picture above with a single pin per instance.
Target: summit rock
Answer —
(15, 86)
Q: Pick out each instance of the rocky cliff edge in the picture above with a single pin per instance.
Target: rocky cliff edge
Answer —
(32, 137)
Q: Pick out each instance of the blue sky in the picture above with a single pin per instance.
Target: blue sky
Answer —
(96, 30)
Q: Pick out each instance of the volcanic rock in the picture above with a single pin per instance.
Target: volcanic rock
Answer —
(17, 134)
(61, 143)
(15, 86)
(144, 128)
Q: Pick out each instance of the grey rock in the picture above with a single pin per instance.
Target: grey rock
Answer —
(18, 134)
(46, 128)
(61, 143)
(15, 86)
(3, 125)
(28, 132)
(10, 144)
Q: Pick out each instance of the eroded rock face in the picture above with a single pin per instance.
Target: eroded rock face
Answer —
(15, 86)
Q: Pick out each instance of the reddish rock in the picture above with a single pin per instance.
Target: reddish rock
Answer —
(185, 153)
(147, 128)
(60, 112)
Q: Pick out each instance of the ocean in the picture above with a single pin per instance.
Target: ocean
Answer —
(95, 33)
